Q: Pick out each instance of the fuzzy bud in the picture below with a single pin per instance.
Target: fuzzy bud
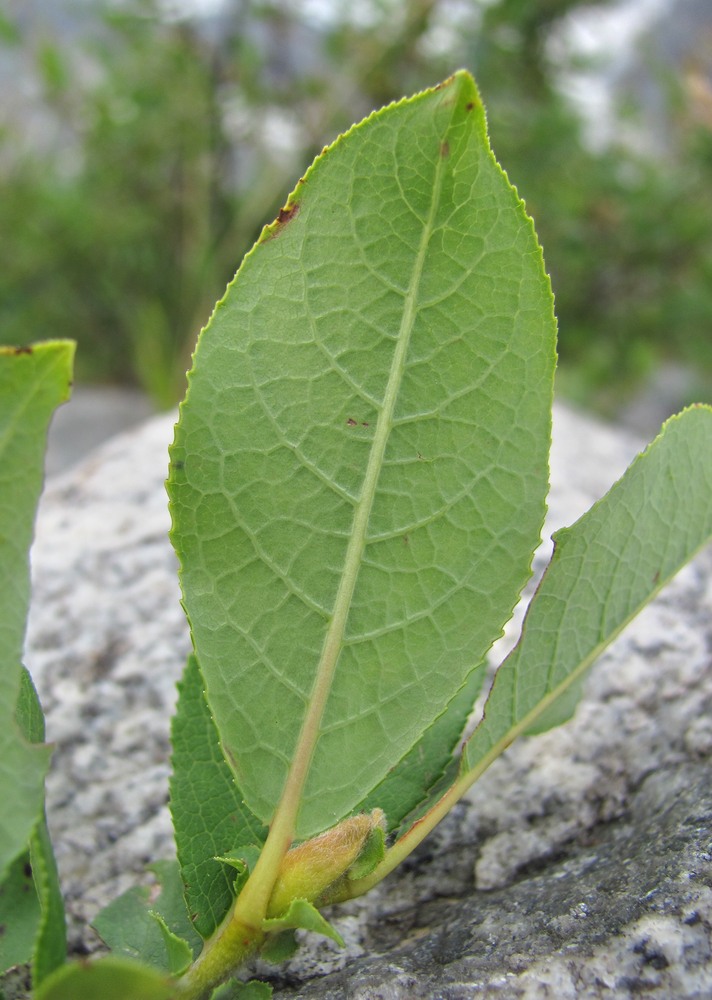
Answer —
(309, 870)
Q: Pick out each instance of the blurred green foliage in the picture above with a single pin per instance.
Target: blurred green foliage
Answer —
(174, 139)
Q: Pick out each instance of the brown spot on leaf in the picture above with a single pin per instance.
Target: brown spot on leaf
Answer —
(444, 83)
(27, 869)
(351, 422)
(23, 350)
(287, 213)
(444, 150)
(469, 106)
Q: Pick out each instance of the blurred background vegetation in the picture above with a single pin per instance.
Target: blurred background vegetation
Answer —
(159, 142)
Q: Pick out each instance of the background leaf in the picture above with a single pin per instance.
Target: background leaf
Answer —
(50, 940)
(210, 818)
(360, 466)
(604, 569)
(128, 925)
(19, 914)
(235, 990)
(109, 979)
(33, 382)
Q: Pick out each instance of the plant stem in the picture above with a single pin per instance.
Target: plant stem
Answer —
(230, 946)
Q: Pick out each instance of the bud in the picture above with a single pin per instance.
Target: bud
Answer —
(308, 871)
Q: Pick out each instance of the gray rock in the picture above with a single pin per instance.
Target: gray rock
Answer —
(92, 415)
(579, 865)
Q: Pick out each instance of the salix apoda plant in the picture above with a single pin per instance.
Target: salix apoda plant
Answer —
(357, 486)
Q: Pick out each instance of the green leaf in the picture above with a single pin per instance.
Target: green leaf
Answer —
(359, 471)
(171, 903)
(20, 914)
(128, 925)
(239, 864)
(51, 944)
(279, 947)
(604, 569)
(210, 818)
(236, 990)
(50, 938)
(109, 979)
(178, 952)
(33, 382)
(28, 711)
(305, 916)
(127, 928)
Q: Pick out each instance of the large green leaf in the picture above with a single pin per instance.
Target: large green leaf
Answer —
(604, 569)
(33, 381)
(359, 471)
(209, 817)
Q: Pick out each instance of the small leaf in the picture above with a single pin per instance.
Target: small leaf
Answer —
(28, 711)
(20, 914)
(171, 903)
(106, 979)
(604, 569)
(279, 947)
(303, 915)
(178, 951)
(127, 928)
(209, 817)
(50, 946)
(33, 382)
(241, 861)
(360, 466)
(236, 990)
(128, 925)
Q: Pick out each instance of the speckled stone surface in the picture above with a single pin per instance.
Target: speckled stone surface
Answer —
(579, 866)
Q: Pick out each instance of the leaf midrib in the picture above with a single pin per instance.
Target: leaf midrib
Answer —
(283, 823)
(333, 641)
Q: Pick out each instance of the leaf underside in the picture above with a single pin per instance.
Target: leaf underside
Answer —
(359, 471)
(604, 569)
